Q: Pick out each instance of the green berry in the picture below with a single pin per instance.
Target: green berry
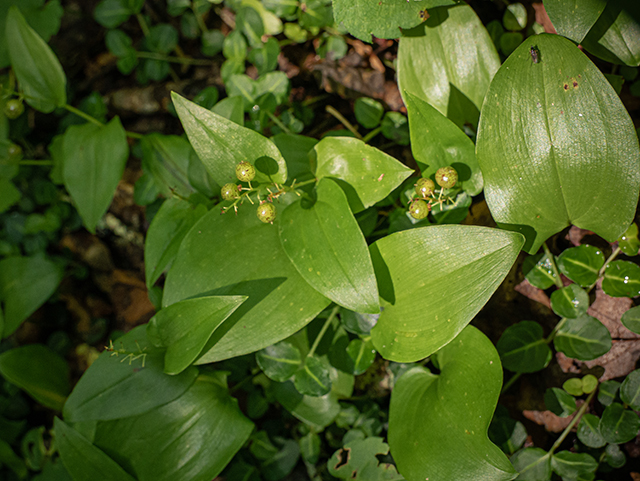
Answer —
(424, 187)
(13, 108)
(419, 209)
(266, 212)
(229, 192)
(446, 177)
(14, 152)
(245, 172)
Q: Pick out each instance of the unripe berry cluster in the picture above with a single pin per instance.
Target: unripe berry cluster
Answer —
(446, 178)
(245, 172)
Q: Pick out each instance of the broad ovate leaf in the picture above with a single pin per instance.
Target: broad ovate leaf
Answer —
(326, 246)
(449, 62)
(437, 142)
(556, 145)
(237, 255)
(438, 423)
(94, 160)
(574, 18)
(222, 144)
(383, 19)
(584, 338)
(433, 280)
(522, 348)
(366, 174)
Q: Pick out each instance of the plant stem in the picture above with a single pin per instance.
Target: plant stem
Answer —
(573, 422)
(371, 134)
(143, 24)
(278, 122)
(199, 19)
(36, 162)
(558, 281)
(510, 382)
(555, 330)
(613, 255)
(84, 115)
(167, 58)
(244, 382)
(343, 121)
(327, 323)
(134, 135)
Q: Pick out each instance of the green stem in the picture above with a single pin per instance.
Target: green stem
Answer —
(555, 330)
(82, 114)
(558, 280)
(278, 122)
(313, 100)
(167, 58)
(244, 382)
(343, 121)
(199, 18)
(143, 24)
(134, 135)
(573, 422)
(613, 255)
(371, 134)
(36, 162)
(510, 382)
(327, 323)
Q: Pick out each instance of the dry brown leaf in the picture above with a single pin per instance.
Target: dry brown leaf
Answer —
(551, 422)
(609, 310)
(542, 18)
(619, 361)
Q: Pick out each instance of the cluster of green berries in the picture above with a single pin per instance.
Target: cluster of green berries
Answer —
(245, 172)
(13, 108)
(446, 178)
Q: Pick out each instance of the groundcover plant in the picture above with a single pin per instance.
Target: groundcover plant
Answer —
(304, 306)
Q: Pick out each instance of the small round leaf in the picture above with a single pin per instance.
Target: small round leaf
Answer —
(559, 402)
(533, 464)
(589, 383)
(621, 279)
(630, 390)
(607, 392)
(589, 431)
(538, 270)
(581, 264)
(368, 112)
(362, 354)
(584, 338)
(571, 465)
(628, 242)
(573, 386)
(614, 456)
(313, 378)
(631, 319)
(522, 348)
(570, 302)
(280, 361)
(619, 425)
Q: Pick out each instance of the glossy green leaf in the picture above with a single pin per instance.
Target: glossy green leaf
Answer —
(581, 264)
(231, 108)
(327, 248)
(539, 271)
(239, 255)
(117, 386)
(82, 459)
(630, 390)
(422, 275)
(615, 36)
(166, 158)
(363, 19)
(36, 67)
(362, 354)
(434, 418)
(631, 319)
(185, 327)
(574, 18)
(453, 213)
(571, 301)
(197, 434)
(366, 174)
(313, 377)
(449, 62)
(94, 160)
(559, 402)
(25, 284)
(621, 279)
(39, 371)
(222, 144)
(310, 447)
(249, 21)
(279, 361)
(629, 242)
(368, 112)
(589, 431)
(589, 383)
(619, 425)
(573, 386)
(548, 129)
(584, 338)
(533, 464)
(362, 462)
(614, 456)
(169, 226)
(395, 126)
(295, 150)
(522, 348)
(281, 464)
(607, 392)
(572, 465)
(515, 17)
(437, 142)
(507, 433)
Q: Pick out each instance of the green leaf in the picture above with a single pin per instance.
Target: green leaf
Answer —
(295, 150)
(111, 13)
(94, 160)
(515, 17)
(366, 174)
(537, 120)
(276, 83)
(167, 230)
(279, 361)
(9, 459)
(589, 431)
(422, 275)
(631, 319)
(185, 327)
(581, 264)
(37, 69)
(118, 386)
(162, 38)
(310, 447)
(573, 386)
(338, 266)
(435, 418)
(222, 144)
(39, 371)
(261, 446)
(9, 194)
(607, 392)
(621, 279)
(357, 322)
(395, 126)
(166, 157)
(438, 142)
(559, 402)
(253, 263)
(362, 353)
(522, 348)
(539, 270)
(533, 464)
(453, 213)
(249, 22)
(362, 462)
(313, 377)
(119, 43)
(507, 433)
(316, 411)
(198, 433)
(82, 459)
(362, 18)
(282, 463)
(630, 390)
(628, 242)
(265, 58)
(614, 456)
(235, 46)
(25, 284)
(431, 67)
(571, 301)
(619, 425)
(368, 112)
(615, 35)
(584, 338)
(574, 18)
(589, 383)
(572, 465)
